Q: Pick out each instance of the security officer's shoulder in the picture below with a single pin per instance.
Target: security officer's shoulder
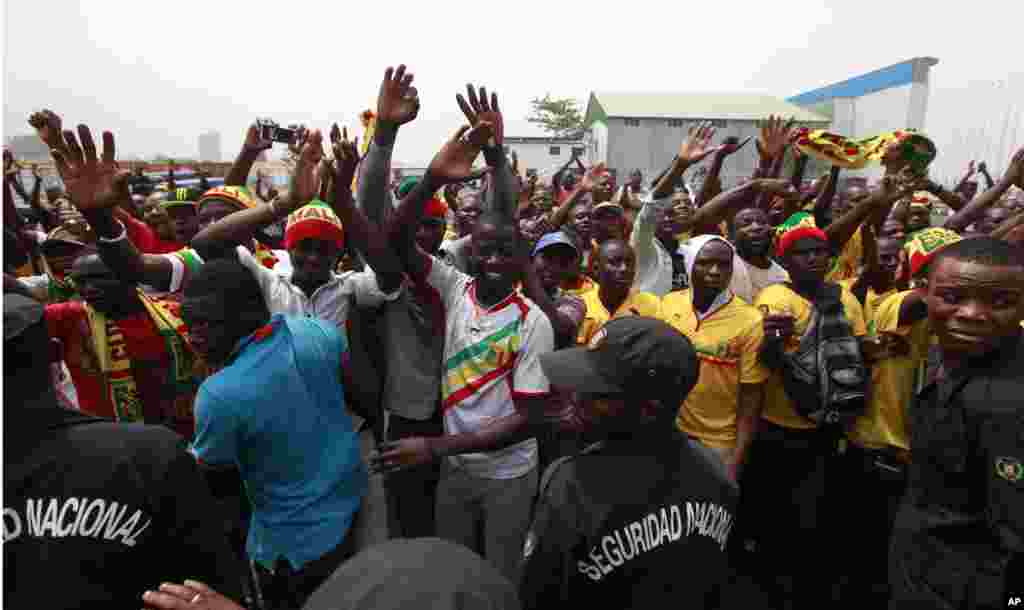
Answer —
(562, 470)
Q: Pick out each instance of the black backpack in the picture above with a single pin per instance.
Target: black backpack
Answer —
(826, 377)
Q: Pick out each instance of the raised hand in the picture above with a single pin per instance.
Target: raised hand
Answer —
(970, 170)
(478, 110)
(774, 136)
(397, 101)
(697, 144)
(305, 182)
(48, 125)
(91, 182)
(454, 162)
(346, 154)
(299, 137)
(592, 178)
(254, 141)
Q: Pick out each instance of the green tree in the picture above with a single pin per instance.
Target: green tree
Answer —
(561, 117)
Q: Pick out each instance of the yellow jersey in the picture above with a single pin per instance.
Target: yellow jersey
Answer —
(780, 299)
(727, 343)
(636, 304)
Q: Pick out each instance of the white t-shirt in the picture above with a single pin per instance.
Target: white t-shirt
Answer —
(653, 262)
(491, 356)
(748, 280)
(330, 302)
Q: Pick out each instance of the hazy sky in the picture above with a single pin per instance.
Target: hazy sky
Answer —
(160, 73)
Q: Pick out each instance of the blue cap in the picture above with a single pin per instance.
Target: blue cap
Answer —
(550, 239)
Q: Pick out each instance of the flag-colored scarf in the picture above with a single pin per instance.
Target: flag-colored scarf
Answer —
(847, 153)
(112, 352)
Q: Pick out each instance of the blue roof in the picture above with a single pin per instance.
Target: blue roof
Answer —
(893, 76)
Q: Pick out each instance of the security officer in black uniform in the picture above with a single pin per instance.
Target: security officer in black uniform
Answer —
(95, 512)
(958, 540)
(641, 518)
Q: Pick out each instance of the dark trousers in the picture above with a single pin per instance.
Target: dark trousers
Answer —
(287, 589)
(873, 485)
(412, 493)
(786, 512)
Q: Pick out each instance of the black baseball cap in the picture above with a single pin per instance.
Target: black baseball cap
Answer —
(20, 313)
(640, 358)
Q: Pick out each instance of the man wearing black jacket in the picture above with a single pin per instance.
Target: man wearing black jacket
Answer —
(623, 524)
(958, 540)
(95, 512)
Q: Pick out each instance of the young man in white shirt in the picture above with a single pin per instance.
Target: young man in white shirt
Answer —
(493, 388)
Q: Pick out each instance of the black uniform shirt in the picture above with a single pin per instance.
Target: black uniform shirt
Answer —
(630, 525)
(96, 512)
(962, 519)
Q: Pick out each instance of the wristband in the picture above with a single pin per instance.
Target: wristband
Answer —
(114, 240)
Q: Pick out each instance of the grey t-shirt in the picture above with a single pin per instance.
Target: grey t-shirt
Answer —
(413, 335)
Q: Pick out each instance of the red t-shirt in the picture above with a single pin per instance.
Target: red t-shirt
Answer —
(151, 365)
(146, 239)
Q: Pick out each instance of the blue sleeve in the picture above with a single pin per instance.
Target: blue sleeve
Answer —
(216, 439)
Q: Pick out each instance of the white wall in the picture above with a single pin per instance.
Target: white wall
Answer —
(538, 156)
(980, 120)
(597, 143)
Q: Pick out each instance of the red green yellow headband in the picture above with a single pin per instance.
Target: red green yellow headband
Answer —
(796, 227)
(923, 245)
(239, 196)
(315, 220)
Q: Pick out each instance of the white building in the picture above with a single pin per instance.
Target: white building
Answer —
(544, 155)
(209, 146)
(895, 97)
(643, 131)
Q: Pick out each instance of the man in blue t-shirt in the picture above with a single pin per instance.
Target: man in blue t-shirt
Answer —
(276, 412)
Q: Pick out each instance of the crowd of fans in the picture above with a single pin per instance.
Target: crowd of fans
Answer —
(642, 395)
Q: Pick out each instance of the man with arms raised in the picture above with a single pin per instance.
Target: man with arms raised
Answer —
(493, 389)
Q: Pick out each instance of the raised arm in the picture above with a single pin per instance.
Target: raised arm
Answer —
(586, 185)
(731, 201)
(842, 229)
(712, 185)
(695, 147)
(397, 104)
(252, 147)
(240, 226)
(962, 185)
(799, 168)
(823, 202)
(453, 163)
(95, 186)
(37, 189)
(367, 237)
(771, 145)
(955, 201)
(502, 193)
(976, 208)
